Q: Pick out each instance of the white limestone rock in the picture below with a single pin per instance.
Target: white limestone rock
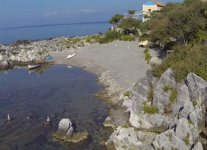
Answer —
(161, 98)
(125, 139)
(64, 124)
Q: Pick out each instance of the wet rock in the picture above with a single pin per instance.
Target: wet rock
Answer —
(66, 133)
(64, 124)
(4, 65)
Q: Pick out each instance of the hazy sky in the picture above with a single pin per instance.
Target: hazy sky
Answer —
(35, 12)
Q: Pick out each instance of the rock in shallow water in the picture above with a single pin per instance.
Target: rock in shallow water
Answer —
(64, 124)
(4, 65)
(66, 133)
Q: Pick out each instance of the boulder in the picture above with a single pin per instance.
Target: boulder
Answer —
(198, 94)
(64, 125)
(124, 138)
(161, 97)
(183, 105)
(169, 141)
(4, 65)
(197, 87)
(187, 131)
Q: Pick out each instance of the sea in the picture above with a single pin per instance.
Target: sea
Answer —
(38, 32)
(54, 91)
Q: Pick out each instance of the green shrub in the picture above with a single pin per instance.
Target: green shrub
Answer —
(185, 59)
(147, 55)
(110, 36)
(127, 94)
(166, 88)
(195, 103)
(173, 96)
(150, 109)
(186, 139)
(127, 38)
(93, 39)
(150, 95)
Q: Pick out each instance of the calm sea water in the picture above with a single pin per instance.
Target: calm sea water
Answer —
(57, 92)
(10, 35)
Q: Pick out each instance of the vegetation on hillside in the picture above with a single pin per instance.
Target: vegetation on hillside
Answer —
(183, 29)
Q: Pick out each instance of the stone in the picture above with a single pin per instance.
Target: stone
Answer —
(198, 146)
(183, 106)
(187, 131)
(161, 97)
(124, 138)
(70, 131)
(198, 94)
(197, 87)
(4, 65)
(64, 124)
(168, 141)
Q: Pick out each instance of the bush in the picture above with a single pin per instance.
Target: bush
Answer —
(93, 39)
(166, 88)
(150, 109)
(185, 59)
(173, 96)
(110, 36)
(147, 55)
(150, 95)
(127, 38)
(127, 94)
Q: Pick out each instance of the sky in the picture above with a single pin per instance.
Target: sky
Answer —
(38, 12)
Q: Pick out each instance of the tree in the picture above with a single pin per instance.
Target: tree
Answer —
(116, 19)
(130, 25)
(131, 12)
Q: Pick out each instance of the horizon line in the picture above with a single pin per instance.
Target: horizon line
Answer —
(50, 25)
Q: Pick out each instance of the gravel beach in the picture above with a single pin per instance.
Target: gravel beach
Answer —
(123, 61)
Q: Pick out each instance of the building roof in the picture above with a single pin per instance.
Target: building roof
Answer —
(154, 2)
(158, 3)
(149, 3)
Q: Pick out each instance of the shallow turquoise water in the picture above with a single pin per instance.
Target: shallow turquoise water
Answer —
(58, 92)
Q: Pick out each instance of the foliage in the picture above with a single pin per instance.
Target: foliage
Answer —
(115, 19)
(129, 26)
(93, 39)
(195, 103)
(185, 59)
(127, 94)
(150, 109)
(110, 36)
(150, 95)
(178, 22)
(147, 55)
(127, 38)
(166, 88)
(173, 96)
(131, 12)
(186, 139)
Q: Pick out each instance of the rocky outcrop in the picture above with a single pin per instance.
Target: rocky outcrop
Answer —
(26, 52)
(125, 138)
(174, 112)
(66, 132)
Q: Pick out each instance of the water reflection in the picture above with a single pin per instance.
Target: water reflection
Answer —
(54, 91)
